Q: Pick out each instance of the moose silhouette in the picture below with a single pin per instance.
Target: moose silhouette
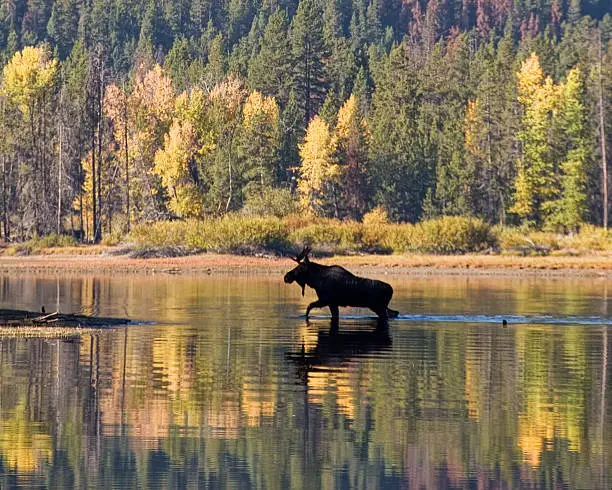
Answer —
(335, 286)
(335, 349)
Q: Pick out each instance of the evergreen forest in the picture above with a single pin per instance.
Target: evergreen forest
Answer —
(115, 113)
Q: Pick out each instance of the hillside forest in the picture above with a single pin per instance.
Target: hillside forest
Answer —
(118, 112)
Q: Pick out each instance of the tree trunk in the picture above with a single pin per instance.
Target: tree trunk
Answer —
(127, 160)
(98, 223)
(4, 210)
(36, 167)
(60, 166)
(94, 207)
(602, 136)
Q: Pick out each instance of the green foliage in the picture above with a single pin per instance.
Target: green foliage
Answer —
(329, 235)
(36, 244)
(438, 111)
(239, 233)
(523, 240)
(232, 233)
(446, 235)
(536, 183)
(271, 202)
(401, 151)
(569, 211)
(309, 51)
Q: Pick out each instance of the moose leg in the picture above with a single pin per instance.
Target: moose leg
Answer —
(381, 311)
(334, 312)
(314, 304)
(392, 313)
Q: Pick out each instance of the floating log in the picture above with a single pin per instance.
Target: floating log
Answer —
(21, 318)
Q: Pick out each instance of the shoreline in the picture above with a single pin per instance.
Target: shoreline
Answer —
(212, 263)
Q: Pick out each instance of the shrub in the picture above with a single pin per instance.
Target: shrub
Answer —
(449, 234)
(231, 233)
(334, 236)
(590, 238)
(376, 229)
(159, 233)
(273, 202)
(239, 233)
(37, 243)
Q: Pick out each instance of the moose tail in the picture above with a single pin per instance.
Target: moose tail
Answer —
(392, 313)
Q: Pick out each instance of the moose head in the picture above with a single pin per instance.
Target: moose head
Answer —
(299, 274)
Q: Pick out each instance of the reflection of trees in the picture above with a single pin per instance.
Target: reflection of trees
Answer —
(220, 399)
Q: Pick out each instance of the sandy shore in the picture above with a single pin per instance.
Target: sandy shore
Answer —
(209, 263)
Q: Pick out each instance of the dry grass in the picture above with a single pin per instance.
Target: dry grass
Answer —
(211, 263)
(45, 332)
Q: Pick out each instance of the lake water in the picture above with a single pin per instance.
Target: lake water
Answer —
(229, 387)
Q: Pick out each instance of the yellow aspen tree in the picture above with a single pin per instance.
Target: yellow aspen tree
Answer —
(352, 132)
(118, 108)
(175, 164)
(474, 129)
(224, 116)
(28, 79)
(141, 119)
(535, 185)
(319, 173)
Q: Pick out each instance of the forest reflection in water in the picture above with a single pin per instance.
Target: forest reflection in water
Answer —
(231, 388)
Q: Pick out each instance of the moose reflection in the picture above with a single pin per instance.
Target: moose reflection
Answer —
(335, 286)
(334, 349)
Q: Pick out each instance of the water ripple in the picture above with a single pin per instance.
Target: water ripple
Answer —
(511, 319)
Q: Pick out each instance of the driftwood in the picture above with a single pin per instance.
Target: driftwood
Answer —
(20, 318)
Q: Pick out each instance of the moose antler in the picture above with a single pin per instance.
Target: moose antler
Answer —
(302, 255)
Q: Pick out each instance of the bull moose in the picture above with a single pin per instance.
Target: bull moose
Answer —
(335, 286)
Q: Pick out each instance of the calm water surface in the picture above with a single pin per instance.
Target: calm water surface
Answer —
(230, 388)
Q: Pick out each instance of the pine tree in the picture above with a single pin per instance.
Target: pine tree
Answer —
(309, 54)
(270, 71)
(62, 26)
(259, 142)
(177, 63)
(569, 211)
(445, 89)
(491, 124)
(401, 152)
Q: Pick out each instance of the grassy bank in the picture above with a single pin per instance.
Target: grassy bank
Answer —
(368, 265)
(443, 236)
(246, 234)
(249, 235)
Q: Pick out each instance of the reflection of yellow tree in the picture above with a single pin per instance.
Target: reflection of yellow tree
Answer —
(478, 401)
(335, 388)
(23, 443)
(552, 409)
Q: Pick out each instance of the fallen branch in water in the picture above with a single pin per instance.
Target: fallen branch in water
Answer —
(20, 318)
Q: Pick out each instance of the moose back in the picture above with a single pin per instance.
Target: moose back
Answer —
(335, 287)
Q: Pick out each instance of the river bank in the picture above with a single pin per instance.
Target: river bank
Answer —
(106, 260)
